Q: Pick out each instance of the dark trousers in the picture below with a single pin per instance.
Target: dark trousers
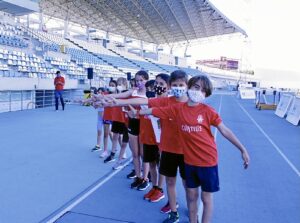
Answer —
(58, 94)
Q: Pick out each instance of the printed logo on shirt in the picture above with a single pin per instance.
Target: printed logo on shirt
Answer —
(200, 119)
(189, 129)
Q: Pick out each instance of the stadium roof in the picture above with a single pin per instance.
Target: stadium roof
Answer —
(153, 21)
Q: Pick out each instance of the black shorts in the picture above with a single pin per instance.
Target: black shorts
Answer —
(205, 177)
(151, 153)
(134, 126)
(120, 128)
(169, 163)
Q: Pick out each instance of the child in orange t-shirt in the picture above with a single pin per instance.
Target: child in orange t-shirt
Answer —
(194, 120)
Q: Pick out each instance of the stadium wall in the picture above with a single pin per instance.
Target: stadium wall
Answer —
(8, 83)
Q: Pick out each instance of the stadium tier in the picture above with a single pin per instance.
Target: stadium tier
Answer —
(26, 52)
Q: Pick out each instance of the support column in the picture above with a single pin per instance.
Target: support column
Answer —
(142, 48)
(28, 21)
(156, 51)
(185, 50)
(66, 28)
(41, 21)
(88, 34)
(105, 42)
(125, 43)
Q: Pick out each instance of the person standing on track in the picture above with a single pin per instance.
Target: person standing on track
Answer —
(59, 83)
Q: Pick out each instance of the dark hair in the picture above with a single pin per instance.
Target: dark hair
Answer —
(178, 74)
(150, 83)
(113, 81)
(163, 76)
(102, 89)
(206, 84)
(143, 73)
(58, 72)
(132, 84)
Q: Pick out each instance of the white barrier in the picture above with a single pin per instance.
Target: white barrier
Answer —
(293, 115)
(284, 105)
(246, 93)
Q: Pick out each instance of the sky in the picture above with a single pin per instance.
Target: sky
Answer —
(273, 42)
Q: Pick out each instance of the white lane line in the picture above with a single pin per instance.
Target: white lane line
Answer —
(86, 194)
(271, 141)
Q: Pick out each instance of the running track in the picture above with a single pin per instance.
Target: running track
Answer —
(49, 174)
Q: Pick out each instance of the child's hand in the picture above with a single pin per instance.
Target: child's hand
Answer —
(132, 113)
(246, 158)
(97, 104)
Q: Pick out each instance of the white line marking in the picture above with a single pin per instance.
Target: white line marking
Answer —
(85, 195)
(271, 141)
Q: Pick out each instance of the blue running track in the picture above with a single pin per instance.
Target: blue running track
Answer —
(49, 174)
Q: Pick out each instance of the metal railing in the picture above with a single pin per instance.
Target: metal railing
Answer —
(31, 99)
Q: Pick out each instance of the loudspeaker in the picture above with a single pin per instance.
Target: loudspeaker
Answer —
(128, 76)
(90, 73)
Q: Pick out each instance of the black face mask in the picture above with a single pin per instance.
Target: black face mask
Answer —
(150, 94)
(159, 90)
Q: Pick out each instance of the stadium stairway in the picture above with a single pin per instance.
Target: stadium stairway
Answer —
(105, 61)
(119, 55)
(160, 67)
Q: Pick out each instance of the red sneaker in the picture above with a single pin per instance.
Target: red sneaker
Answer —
(167, 209)
(157, 195)
(149, 194)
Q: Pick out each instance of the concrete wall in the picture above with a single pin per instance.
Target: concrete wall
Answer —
(8, 83)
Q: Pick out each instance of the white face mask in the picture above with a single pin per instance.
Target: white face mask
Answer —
(196, 96)
(178, 91)
(120, 88)
(111, 89)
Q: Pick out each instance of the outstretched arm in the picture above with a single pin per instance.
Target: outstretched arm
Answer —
(130, 101)
(160, 112)
(125, 94)
(228, 134)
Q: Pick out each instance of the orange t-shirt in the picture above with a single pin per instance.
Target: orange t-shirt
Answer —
(108, 113)
(59, 86)
(194, 124)
(169, 140)
(118, 115)
(147, 135)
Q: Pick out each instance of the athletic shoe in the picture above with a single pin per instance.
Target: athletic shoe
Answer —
(173, 217)
(124, 156)
(104, 154)
(132, 175)
(137, 181)
(96, 148)
(157, 195)
(109, 159)
(149, 194)
(167, 209)
(144, 185)
(118, 165)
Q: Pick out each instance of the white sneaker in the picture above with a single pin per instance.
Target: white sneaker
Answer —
(118, 165)
(104, 154)
(124, 156)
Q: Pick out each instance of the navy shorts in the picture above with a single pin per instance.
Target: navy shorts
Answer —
(205, 177)
(107, 122)
(169, 164)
